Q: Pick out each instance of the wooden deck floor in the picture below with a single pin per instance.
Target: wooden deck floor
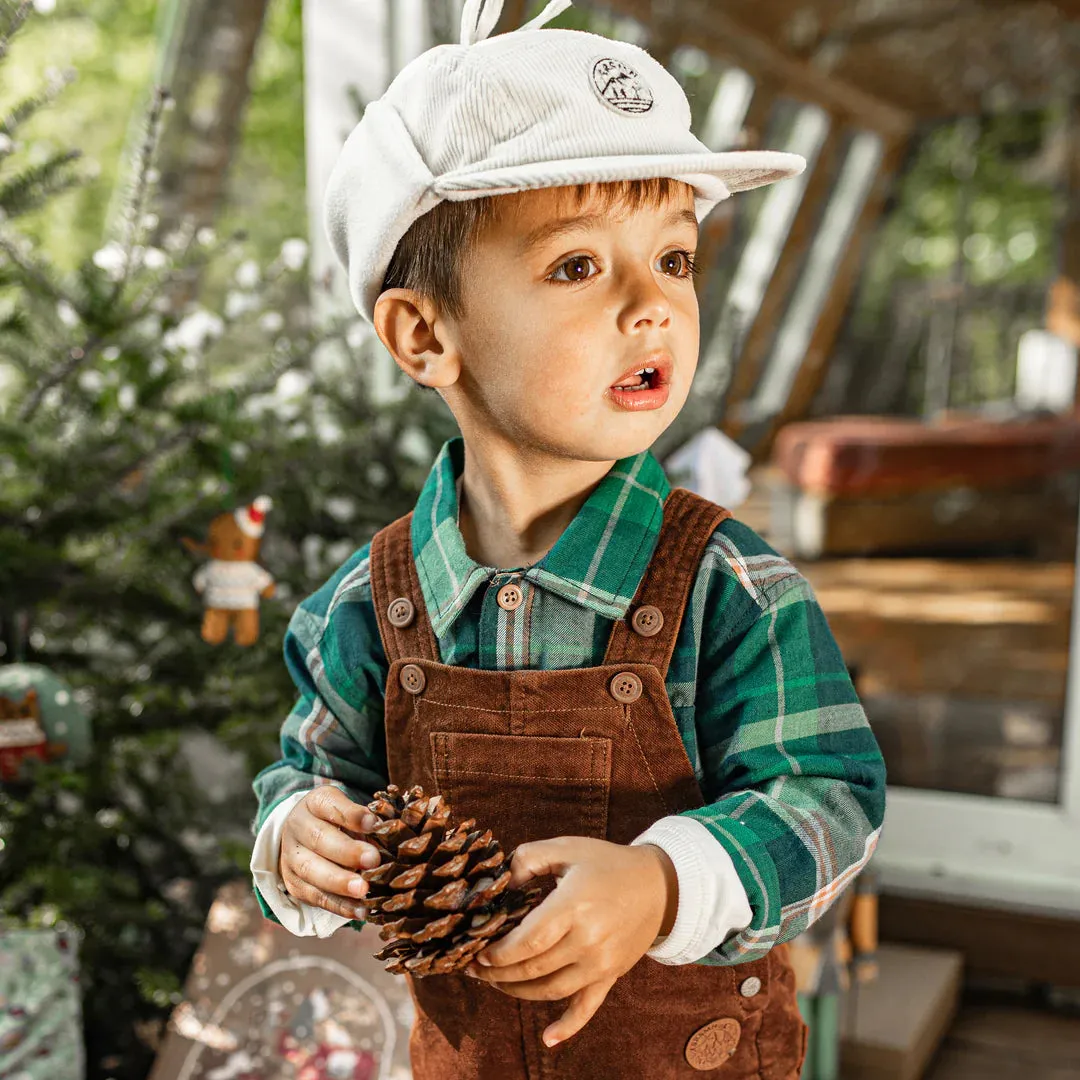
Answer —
(1003, 1037)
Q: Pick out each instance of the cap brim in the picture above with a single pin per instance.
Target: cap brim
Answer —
(714, 176)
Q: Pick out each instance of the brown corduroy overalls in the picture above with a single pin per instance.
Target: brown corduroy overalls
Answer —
(581, 752)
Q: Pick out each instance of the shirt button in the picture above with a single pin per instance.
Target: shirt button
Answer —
(750, 987)
(510, 597)
(412, 678)
(625, 687)
(647, 620)
(401, 612)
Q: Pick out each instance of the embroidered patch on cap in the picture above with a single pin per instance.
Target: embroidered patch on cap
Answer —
(621, 87)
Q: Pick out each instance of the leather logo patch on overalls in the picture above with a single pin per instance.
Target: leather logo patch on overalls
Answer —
(710, 1047)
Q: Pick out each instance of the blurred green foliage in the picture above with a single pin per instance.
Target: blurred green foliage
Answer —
(974, 225)
(113, 48)
(967, 193)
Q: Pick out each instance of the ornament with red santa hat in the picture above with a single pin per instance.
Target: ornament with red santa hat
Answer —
(232, 581)
(252, 519)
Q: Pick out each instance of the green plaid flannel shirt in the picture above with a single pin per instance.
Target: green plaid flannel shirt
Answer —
(793, 779)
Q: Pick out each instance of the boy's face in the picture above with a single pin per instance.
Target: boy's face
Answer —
(560, 302)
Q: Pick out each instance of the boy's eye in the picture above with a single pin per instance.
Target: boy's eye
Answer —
(678, 263)
(575, 269)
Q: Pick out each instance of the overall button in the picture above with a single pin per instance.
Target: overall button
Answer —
(647, 620)
(509, 597)
(412, 678)
(711, 1046)
(401, 612)
(750, 987)
(625, 687)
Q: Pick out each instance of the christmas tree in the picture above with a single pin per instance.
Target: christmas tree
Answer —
(129, 418)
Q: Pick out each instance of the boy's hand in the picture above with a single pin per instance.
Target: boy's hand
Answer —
(320, 855)
(610, 904)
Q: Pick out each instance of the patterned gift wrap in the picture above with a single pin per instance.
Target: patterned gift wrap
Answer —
(262, 1004)
(40, 1006)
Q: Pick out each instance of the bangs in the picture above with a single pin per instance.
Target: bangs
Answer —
(652, 192)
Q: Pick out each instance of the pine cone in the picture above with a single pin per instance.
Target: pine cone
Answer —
(442, 891)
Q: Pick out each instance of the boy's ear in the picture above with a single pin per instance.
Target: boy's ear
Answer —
(410, 327)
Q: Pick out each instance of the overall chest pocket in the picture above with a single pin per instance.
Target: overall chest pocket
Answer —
(525, 787)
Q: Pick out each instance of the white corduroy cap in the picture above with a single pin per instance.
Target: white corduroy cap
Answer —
(534, 108)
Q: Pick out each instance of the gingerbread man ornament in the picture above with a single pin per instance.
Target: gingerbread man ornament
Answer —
(231, 582)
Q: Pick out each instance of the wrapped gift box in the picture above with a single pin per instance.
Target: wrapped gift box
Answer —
(41, 1034)
(263, 1004)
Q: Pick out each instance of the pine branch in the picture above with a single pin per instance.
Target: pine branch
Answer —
(15, 324)
(34, 272)
(31, 188)
(78, 503)
(33, 103)
(77, 356)
(18, 17)
(136, 204)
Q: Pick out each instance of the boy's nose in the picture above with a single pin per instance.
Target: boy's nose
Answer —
(645, 304)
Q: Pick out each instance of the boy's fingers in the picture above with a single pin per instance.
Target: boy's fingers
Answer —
(333, 805)
(313, 880)
(562, 954)
(328, 840)
(539, 857)
(583, 1006)
(557, 986)
(543, 928)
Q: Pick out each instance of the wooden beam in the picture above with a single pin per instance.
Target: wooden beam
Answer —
(722, 225)
(705, 26)
(812, 372)
(512, 17)
(1063, 310)
(750, 364)
(1070, 247)
(756, 121)
(851, 30)
(1069, 8)
(1063, 301)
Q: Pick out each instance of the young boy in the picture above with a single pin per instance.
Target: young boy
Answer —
(619, 680)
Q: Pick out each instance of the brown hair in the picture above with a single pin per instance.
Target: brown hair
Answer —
(429, 255)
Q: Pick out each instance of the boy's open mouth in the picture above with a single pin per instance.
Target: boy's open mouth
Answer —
(653, 372)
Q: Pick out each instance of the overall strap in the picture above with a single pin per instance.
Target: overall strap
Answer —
(664, 592)
(399, 602)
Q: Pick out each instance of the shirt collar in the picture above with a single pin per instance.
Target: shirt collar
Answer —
(598, 561)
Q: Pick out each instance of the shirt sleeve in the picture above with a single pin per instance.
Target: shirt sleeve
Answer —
(793, 778)
(335, 732)
(299, 918)
(712, 900)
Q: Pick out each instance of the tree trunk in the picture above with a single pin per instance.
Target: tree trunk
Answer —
(209, 50)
